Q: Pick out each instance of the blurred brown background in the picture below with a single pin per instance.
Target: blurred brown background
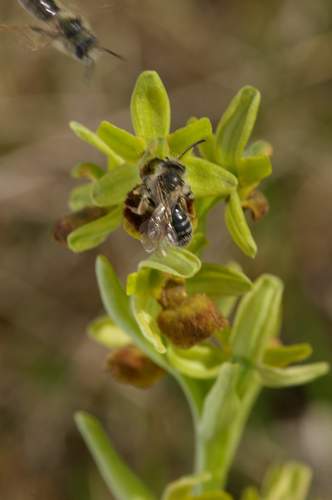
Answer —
(204, 50)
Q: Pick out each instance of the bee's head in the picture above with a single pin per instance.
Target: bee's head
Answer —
(80, 38)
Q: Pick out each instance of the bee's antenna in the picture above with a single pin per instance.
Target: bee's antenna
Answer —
(190, 147)
(115, 54)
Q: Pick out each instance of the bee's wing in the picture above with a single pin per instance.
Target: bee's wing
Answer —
(154, 229)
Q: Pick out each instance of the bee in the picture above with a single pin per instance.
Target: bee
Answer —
(68, 32)
(161, 208)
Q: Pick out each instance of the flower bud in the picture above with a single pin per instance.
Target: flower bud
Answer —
(257, 204)
(129, 365)
(191, 322)
(70, 222)
(173, 293)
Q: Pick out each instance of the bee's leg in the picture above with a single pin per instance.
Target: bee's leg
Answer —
(142, 207)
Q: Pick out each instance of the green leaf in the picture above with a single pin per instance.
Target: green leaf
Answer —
(251, 493)
(114, 186)
(290, 481)
(201, 362)
(91, 138)
(150, 108)
(80, 197)
(283, 355)
(117, 306)
(94, 233)
(123, 143)
(238, 227)
(121, 481)
(258, 319)
(179, 262)
(184, 137)
(208, 179)
(252, 170)
(89, 170)
(217, 281)
(295, 375)
(208, 149)
(221, 406)
(145, 309)
(104, 331)
(235, 127)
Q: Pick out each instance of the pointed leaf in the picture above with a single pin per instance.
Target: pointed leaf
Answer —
(179, 262)
(184, 137)
(201, 362)
(295, 375)
(238, 227)
(150, 108)
(283, 355)
(290, 481)
(86, 169)
(253, 169)
(257, 319)
(81, 197)
(123, 143)
(91, 138)
(104, 331)
(235, 127)
(121, 481)
(113, 187)
(217, 281)
(208, 179)
(94, 233)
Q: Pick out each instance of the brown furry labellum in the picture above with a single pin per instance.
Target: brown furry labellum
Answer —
(129, 365)
(70, 222)
(257, 204)
(194, 320)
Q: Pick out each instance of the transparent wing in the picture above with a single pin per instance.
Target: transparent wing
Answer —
(154, 229)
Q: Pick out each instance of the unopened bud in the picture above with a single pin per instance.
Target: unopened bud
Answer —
(70, 222)
(129, 365)
(194, 320)
(257, 204)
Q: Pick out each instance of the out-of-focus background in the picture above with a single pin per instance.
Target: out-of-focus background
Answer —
(204, 51)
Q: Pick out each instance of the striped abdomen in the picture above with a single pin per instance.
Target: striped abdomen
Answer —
(181, 225)
(45, 10)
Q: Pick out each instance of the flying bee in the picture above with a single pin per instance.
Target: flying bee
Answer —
(68, 32)
(161, 208)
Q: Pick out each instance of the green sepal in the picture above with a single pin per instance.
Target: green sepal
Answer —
(251, 493)
(197, 243)
(91, 138)
(259, 314)
(259, 148)
(145, 310)
(283, 355)
(238, 227)
(219, 281)
(294, 375)
(94, 233)
(124, 144)
(179, 262)
(253, 169)
(184, 137)
(113, 187)
(80, 197)
(89, 170)
(182, 489)
(104, 331)
(235, 127)
(208, 179)
(121, 481)
(117, 306)
(289, 481)
(200, 362)
(150, 107)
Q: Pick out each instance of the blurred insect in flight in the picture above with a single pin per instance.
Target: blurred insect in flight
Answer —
(68, 32)
(161, 208)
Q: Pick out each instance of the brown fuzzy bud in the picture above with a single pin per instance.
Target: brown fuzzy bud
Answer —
(257, 204)
(70, 222)
(173, 293)
(129, 365)
(191, 322)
